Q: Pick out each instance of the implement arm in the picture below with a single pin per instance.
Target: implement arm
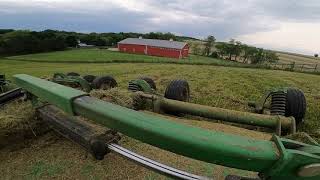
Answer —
(274, 159)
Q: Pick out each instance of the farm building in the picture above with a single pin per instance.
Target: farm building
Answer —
(154, 47)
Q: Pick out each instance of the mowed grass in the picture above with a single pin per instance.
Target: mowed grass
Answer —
(225, 87)
(298, 59)
(105, 56)
(53, 157)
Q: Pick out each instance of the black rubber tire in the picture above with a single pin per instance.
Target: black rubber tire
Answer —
(178, 90)
(98, 149)
(89, 78)
(296, 104)
(72, 74)
(104, 82)
(149, 81)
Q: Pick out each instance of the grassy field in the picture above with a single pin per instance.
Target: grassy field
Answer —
(110, 56)
(105, 56)
(226, 87)
(288, 58)
(52, 157)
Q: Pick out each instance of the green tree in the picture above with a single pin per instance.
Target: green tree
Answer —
(258, 57)
(223, 49)
(100, 42)
(72, 41)
(237, 49)
(19, 42)
(248, 52)
(24, 42)
(210, 41)
(3, 31)
(196, 47)
(271, 56)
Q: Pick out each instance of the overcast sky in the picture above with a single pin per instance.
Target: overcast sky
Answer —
(290, 25)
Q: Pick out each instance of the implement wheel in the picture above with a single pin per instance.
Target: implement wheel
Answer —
(149, 81)
(295, 104)
(104, 82)
(72, 74)
(89, 78)
(178, 90)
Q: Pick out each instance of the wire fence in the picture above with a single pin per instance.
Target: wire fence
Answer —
(294, 67)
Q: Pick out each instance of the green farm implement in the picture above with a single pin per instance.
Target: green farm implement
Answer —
(86, 83)
(274, 159)
(278, 158)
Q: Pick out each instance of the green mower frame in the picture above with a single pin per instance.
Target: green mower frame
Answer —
(276, 159)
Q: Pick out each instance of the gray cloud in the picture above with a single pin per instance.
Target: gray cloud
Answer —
(294, 10)
(199, 18)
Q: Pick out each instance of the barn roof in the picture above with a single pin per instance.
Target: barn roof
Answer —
(154, 42)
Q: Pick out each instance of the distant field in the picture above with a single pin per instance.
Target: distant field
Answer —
(299, 59)
(303, 63)
(104, 56)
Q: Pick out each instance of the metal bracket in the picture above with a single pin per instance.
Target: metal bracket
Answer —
(296, 160)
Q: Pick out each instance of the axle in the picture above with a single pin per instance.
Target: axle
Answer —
(161, 103)
(275, 159)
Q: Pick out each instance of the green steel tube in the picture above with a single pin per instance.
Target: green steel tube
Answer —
(226, 114)
(209, 146)
(58, 95)
(220, 113)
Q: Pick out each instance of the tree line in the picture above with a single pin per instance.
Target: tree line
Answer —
(233, 51)
(25, 41)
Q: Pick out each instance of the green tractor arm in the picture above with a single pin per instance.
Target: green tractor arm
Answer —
(275, 159)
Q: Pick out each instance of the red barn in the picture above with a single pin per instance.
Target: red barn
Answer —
(154, 47)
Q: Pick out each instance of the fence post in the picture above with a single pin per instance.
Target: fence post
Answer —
(293, 65)
(302, 67)
(315, 68)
